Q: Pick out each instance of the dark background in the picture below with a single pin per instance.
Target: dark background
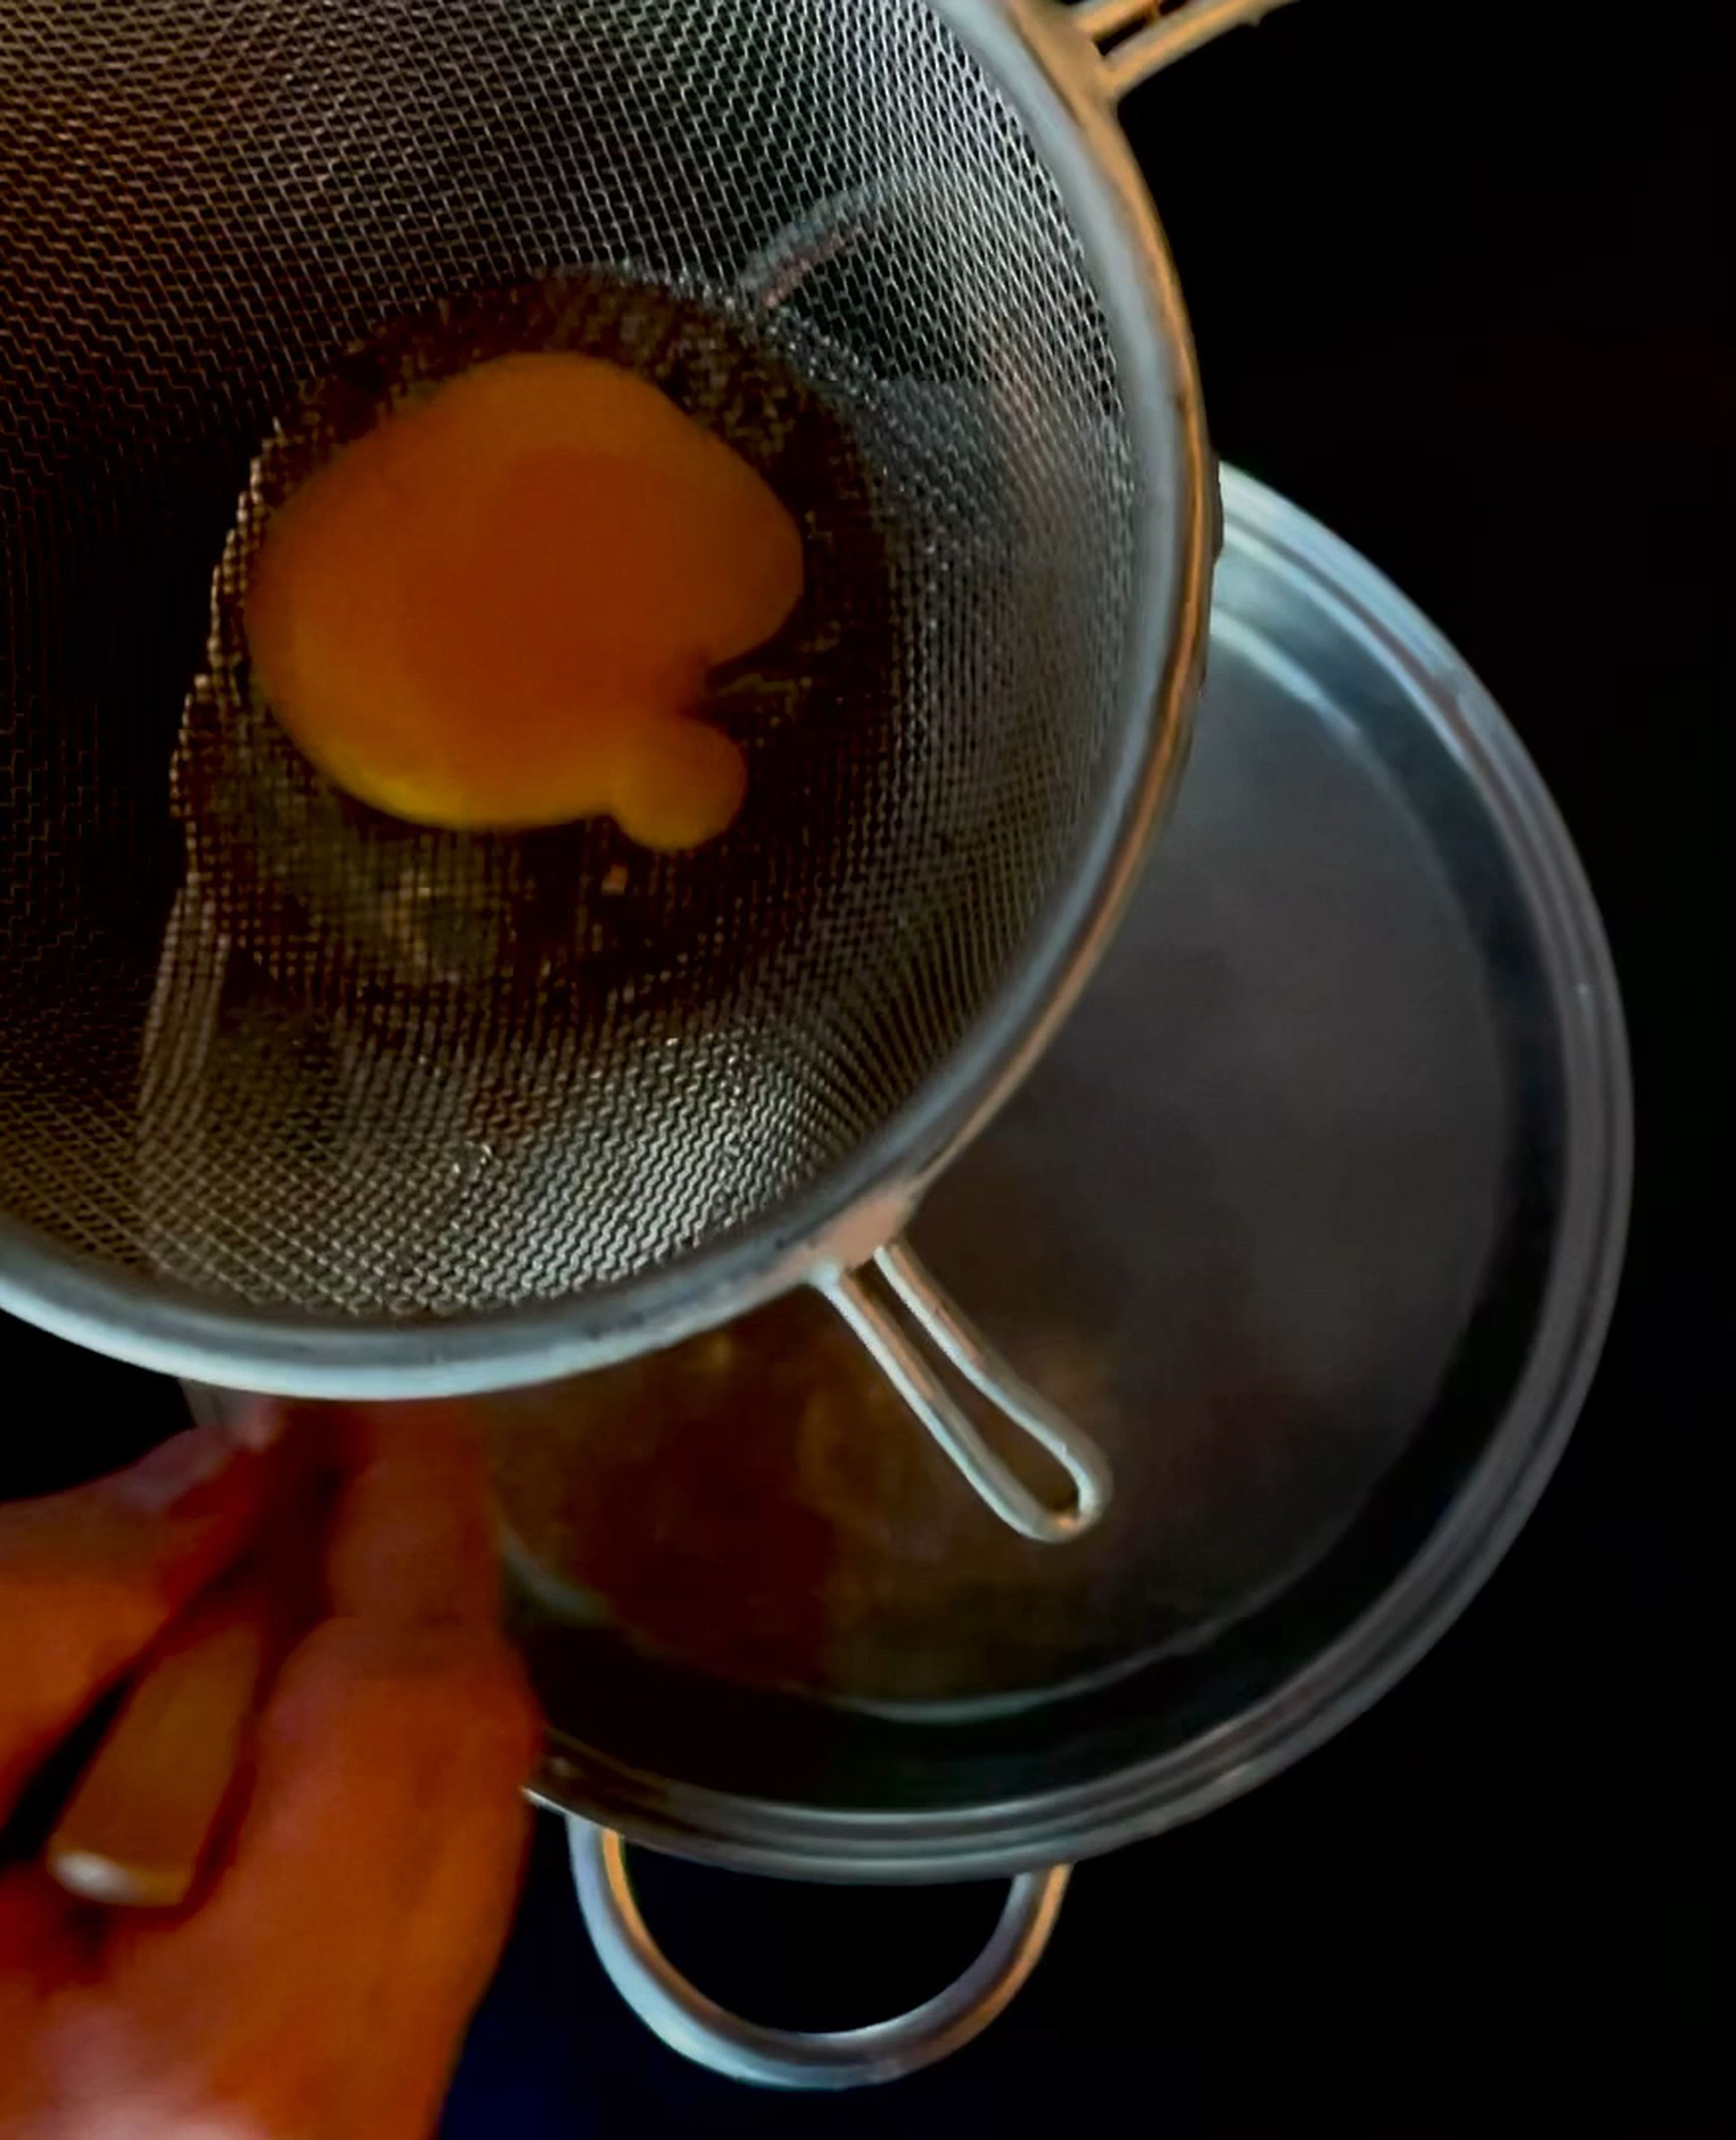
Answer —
(1456, 275)
(1458, 280)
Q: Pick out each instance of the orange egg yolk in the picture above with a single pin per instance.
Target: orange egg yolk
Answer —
(499, 608)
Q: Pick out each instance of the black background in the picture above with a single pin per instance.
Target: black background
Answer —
(1458, 277)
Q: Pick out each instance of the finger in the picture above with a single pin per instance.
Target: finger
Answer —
(136, 1829)
(324, 1983)
(413, 1533)
(89, 1579)
(408, 1693)
(370, 1883)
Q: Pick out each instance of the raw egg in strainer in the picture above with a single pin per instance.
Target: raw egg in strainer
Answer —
(499, 608)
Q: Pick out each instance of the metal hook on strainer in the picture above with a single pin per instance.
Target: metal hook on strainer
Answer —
(293, 1099)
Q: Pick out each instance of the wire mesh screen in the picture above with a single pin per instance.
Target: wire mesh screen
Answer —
(260, 1039)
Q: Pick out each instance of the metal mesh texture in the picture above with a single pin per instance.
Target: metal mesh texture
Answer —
(260, 1040)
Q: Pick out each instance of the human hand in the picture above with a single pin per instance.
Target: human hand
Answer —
(318, 1985)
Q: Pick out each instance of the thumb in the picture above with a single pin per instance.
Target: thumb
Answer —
(88, 1579)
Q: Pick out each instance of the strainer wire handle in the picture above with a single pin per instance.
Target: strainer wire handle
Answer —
(919, 1384)
(1139, 38)
(701, 2030)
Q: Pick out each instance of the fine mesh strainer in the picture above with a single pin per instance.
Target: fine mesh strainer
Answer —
(294, 1098)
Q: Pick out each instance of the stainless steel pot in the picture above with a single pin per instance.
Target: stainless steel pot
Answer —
(1316, 1210)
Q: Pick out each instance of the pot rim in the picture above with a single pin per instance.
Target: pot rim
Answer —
(1011, 1836)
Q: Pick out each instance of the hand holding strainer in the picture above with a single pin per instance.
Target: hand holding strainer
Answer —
(294, 1101)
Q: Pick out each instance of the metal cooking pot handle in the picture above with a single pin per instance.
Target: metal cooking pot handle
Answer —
(699, 2029)
(922, 1389)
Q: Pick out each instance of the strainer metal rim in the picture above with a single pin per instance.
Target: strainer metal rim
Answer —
(1054, 79)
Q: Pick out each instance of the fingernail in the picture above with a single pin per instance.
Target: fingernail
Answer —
(254, 1423)
(251, 1422)
(175, 1468)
